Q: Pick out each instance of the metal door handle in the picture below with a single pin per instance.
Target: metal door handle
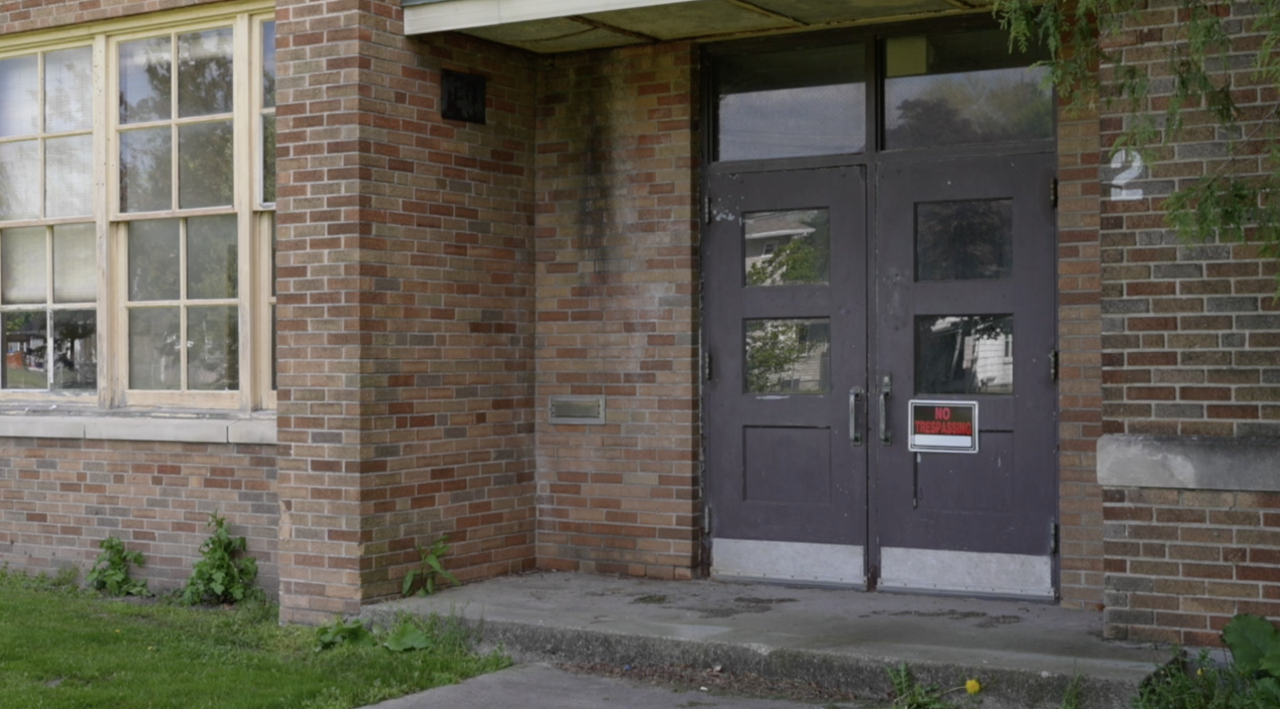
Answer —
(855, 431)
(886, 386)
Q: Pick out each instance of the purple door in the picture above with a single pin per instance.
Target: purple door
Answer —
(966, 313)
(785, 305)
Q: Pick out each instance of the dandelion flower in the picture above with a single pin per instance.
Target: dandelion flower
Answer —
(972, 686)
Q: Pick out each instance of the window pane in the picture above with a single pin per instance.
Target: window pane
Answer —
(19, 96)
(268, 64)
(25, 350)
(967, 354)
(68, 175)
(146, 170)
(213, 362)
(204, 73)
(957, 89)
(20, 180)
(22, 265)
(153, 260)
(792, 103)
(788, 356)
(969, 240)
(75, 348)
(75, 273)
(68, 90)
(205, 177)
(786, 248)
(155, 357)
(146, 74)
(268, 158)
(211, 257)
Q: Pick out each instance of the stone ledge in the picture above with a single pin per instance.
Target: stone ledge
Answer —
(168, 428)
(1189, 462)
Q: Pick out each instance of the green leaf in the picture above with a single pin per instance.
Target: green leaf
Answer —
(405, 637)
(1251, 638)
(408, 582)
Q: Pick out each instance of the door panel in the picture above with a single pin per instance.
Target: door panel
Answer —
(785, 263)
(983, 332)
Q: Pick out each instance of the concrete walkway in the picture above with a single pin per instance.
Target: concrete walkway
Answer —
(1024, 653)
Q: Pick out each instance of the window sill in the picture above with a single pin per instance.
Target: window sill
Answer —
(174, 427)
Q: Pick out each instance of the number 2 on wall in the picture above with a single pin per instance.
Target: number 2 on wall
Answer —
(1119, 191)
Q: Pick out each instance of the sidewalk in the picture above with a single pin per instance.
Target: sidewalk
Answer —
(1025, 654)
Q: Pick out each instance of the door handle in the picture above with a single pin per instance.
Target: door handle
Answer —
(886, 386)
(855, 431)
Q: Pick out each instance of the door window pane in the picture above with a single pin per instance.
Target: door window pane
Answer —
(146, 75)
(25, 350)
(20, 180)
(155, 344)
(69, 176)
(268, 65)
(19, 96)
(153, 260)
(75, 258)
(204, 73)
(964, 240)
(205, 177)
(786, 248)
(966, 88)
(68, 90)
(75, 347)
(791, 103)
(790, 356)
(964, 354)
(146, 170)
(269, 158)
(22, 265)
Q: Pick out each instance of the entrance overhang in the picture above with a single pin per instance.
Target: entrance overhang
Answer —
(553, 26)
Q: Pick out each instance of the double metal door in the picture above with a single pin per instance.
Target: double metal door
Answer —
(832, 301)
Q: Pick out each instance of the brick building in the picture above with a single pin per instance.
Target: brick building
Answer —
(666, 288)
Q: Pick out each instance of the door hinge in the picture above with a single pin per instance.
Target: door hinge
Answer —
(706, 365)
(706, 520)
(1053, 537)
(1053, 193)
(1053, 365)
(706, 209)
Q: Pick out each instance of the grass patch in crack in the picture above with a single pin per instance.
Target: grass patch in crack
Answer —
(68, 648)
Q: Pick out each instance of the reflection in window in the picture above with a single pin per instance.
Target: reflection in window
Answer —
(786, 248)
(967, 354)
(964, 240)
(791, 103)
(789, 356)
(958, 89)
(34, 306)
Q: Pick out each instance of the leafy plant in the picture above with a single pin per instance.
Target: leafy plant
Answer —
(1250, 681)
(1235, 200)
(343, 632)
(220, 577)
(910, 694)
(430, 570)
(110, 573)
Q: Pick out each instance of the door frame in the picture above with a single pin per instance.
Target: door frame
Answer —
(870, 160)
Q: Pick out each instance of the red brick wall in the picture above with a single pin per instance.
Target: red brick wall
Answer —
(27, 15)
(1080, 361)
(60, 497)
(617, 246)
(406, 307)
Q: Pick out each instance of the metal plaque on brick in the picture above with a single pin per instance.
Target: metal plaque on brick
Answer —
(943, 426)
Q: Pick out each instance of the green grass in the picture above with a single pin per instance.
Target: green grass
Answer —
(64, 647)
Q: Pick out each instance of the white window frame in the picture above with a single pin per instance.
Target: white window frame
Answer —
(254, 248)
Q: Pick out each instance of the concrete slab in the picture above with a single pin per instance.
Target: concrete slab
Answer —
(540, 686)
(1025, 653)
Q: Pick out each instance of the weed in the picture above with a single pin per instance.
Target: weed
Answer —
(349, 632)
(110, 573)
(1071, 698)
(910, 694)
(220, 577)
(1251, 681)
(431, 569)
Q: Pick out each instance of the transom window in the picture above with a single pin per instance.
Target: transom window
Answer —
(136, 214)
